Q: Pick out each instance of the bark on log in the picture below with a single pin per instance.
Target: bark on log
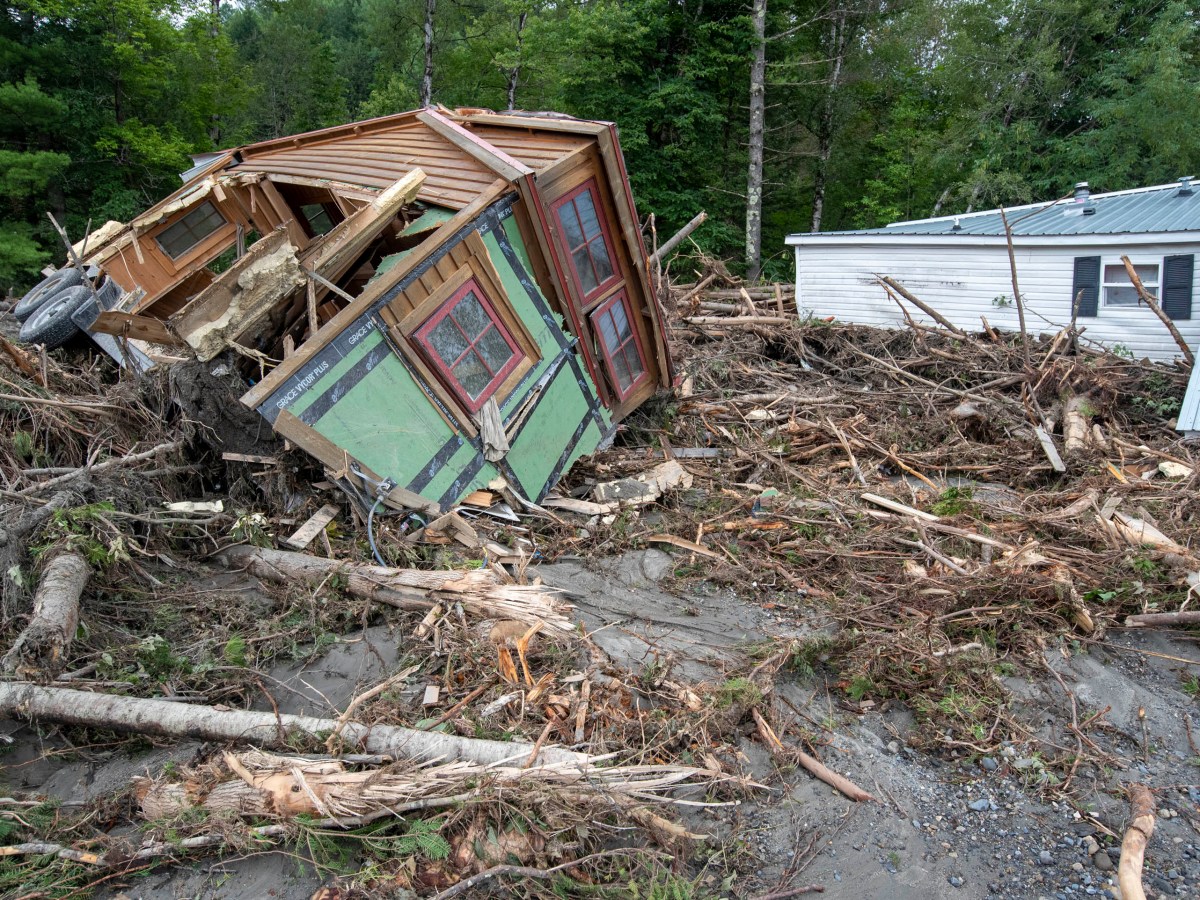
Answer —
(1133, 846)
(264, 729)
(667, 248)
(13, 540)
(40, 650)
(1149, 620)
(922, 305)
(411, 589)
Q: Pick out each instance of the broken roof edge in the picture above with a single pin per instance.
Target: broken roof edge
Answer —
(258, 394)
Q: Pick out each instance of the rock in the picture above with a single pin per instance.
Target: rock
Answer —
(955, 881)
(981, 805)
(893, 747)
(989, 764)
(1045, 858)
(1103, 861)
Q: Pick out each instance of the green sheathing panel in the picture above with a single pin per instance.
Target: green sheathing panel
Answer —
(337, 371)
(513, 233)
(388, 423)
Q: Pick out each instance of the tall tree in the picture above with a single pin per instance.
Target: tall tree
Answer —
(758, 89)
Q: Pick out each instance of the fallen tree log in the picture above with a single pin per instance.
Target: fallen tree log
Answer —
(674, 241)
(40, 650)
(478, 590)
(264, 729)
(1133, 845)
(1149, 620)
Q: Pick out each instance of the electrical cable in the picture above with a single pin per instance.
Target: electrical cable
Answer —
(371, 532)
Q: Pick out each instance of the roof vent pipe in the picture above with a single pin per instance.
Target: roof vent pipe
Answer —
(1185, 187)
(1082, 194)
(957, 226)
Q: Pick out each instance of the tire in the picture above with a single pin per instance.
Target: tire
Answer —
(44, 290)
(51, 323)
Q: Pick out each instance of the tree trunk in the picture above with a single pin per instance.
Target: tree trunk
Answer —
(39, 651)
(427, 75)
(825, 129)
(758, 72)
(13, 544)
(266, 729)
(214, 129)
(413, 589)
(515, 71)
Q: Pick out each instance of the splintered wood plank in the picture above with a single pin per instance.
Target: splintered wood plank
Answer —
(143, 328)
(315, 525)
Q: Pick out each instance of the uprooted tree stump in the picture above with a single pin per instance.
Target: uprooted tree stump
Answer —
(40, 650)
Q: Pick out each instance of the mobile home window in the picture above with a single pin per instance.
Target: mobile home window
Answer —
(620, 344)
(195, 226)
(469, 345)
(585, 236)
(1119, 290)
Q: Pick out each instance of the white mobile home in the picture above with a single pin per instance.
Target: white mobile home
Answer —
(1068, 254)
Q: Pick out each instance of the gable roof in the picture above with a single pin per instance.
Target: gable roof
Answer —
(1164, 208)
(461, 153)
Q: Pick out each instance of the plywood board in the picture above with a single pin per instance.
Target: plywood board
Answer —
(315, 525)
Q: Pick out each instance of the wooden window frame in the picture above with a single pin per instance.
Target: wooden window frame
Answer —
(622, 298)
(478, 268)
(444, 369)
(592, 187)
(209, 247)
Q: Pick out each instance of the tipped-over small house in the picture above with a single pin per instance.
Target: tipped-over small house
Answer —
(1068, 256)
(435, 300)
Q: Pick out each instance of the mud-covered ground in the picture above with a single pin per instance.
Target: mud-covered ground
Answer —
(971, 826)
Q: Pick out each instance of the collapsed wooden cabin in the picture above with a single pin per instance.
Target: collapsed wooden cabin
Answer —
(436, 299)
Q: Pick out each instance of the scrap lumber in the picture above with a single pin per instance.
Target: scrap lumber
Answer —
(128, 325)
(1133, 845)
(316, 523)
(40, 649)
(265, 729)
(1047, 444)
(478, 590)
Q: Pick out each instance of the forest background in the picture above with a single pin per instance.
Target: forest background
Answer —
(872, 110)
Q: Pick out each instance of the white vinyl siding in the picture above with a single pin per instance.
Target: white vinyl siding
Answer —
(972, 280)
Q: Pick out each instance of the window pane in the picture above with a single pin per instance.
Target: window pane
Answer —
(633, 361)
(447, 341)
(471, 316)
(583, 266)
(621, 370)
(1115, 274)
(622, 322)
(494, 350)
(587, 214)
(570, 224)
(608, 332)
(603, 265)
(472, 375)
(1120, 296)
(190, 230)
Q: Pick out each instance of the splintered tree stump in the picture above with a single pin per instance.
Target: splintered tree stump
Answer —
(40, 650)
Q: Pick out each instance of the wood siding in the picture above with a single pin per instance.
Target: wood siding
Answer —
(962, 283)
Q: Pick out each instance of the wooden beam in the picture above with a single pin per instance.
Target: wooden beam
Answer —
(143, 328)
(474, 146)
(314, 526)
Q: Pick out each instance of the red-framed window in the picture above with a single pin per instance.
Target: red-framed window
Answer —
(620, 344)
(585, 235)
(469, 345)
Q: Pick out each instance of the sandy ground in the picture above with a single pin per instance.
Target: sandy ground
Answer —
(945, 827)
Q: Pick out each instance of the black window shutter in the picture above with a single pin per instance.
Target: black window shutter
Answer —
(1177, 286)
(1086, 289)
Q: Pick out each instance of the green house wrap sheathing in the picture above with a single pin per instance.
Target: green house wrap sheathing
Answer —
(361, 393)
